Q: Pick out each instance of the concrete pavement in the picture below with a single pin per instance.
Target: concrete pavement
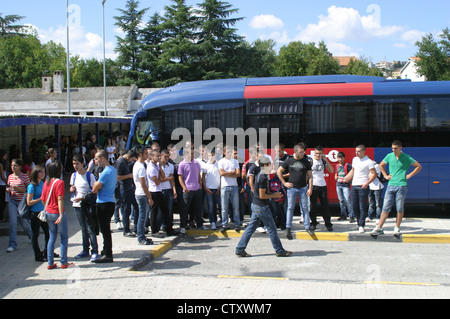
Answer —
(22, 277)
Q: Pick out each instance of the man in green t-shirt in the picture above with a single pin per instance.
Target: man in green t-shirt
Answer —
(399, 163)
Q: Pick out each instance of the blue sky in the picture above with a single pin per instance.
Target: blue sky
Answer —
(375, 29)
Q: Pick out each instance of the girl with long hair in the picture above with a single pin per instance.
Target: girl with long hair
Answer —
(34, 192)
(56, 217)
(16, 186)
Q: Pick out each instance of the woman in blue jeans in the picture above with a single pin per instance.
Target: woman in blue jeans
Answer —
(56, 216)
(261, 212)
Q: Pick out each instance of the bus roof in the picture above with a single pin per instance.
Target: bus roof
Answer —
(236, 90)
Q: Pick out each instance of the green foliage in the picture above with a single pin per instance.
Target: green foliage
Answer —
(361, 67)
(434, 56)
(22, 60)
(186, 44)
(298, 58)
(8, 29)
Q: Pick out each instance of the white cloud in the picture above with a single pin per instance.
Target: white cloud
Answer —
(341, 49)
(85, 44)
(266, 21)
(280, 38)
(342, 24)
(412, 36)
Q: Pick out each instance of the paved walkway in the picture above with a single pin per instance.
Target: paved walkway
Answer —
(22, 277)
(134, 256)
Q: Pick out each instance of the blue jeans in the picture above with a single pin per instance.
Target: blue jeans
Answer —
(292, 194)
(13, 218)
(63, 234)
(144, 211)
(213, 202)
(344, 201)
(228, 193)
(397, 194)
(375, 203)
(260, 213)
(87, 233)
(359, 203)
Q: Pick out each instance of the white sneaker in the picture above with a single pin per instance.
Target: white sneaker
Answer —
(119, 226)
(10, 250)
(260, 230)
(361, 230)
(396, 231)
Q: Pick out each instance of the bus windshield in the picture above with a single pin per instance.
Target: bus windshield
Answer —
(147, 130)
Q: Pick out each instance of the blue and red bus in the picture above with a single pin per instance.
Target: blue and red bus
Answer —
(338, 112)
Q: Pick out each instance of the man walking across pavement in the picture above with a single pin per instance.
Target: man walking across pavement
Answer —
(362, 174)
(261, 212)
(300, 176)
(104, 188)
(397, 188)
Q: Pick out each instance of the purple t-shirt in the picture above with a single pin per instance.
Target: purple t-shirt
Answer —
(190, 172)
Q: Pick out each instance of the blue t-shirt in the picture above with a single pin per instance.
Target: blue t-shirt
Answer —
(108, 178)
(36, 190)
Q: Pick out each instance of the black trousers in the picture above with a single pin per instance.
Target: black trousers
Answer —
(158, 202)
(320, 193)
(36, 225)
(105, 212)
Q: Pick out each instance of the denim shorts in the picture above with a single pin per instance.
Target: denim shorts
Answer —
(397, 194)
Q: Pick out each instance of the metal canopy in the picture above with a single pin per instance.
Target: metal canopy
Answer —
(10, 120)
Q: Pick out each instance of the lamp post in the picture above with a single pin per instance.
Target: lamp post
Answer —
(104, 61)
(68, 60)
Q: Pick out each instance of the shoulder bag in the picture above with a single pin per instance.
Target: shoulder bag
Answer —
(24, 209)
(43, 215)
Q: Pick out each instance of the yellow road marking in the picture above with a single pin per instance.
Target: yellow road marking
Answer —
(401, 283)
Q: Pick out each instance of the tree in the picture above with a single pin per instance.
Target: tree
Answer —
(434, 57)
(298, 58)
(178, 61)
(22, 62)
(151, 50)
(56, 57)
(254, 60)
(86, 72)
(8, 29)
(218, 41)
(361, 67)
(129, 46)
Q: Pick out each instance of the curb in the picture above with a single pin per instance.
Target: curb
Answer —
(155, 253)
(334, 236)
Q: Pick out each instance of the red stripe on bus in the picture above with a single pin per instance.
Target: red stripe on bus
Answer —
(308, 90)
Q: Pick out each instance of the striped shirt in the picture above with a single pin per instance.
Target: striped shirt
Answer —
(21, 181)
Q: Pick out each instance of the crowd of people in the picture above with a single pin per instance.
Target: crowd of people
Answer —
(141, 189)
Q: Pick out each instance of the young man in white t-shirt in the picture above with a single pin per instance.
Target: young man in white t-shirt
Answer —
(81, 183)
(319, 191)
(211, 185)
(142, 194)
(167, 185)
(362, 174)
(229, 172)
(155, 176)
